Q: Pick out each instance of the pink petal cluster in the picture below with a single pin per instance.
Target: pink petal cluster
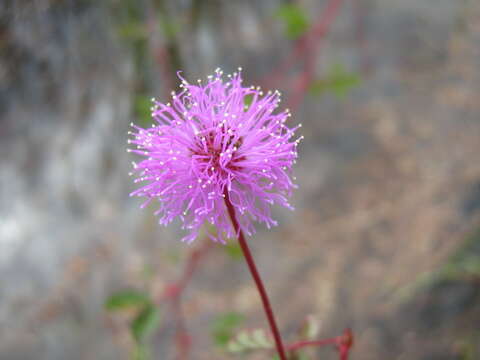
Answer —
(211, 139)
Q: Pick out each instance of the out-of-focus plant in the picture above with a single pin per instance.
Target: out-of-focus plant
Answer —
(142, 105)
(224, 326)
(338, 81)
(468, 348)
(145, 321)
(463, 266)
(294, 19)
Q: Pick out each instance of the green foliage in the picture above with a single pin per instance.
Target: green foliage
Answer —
(309, 329)
(302, 356)
(463, 265)
(145, 323)
(338, 81)
(295, 20)
(299, 356)
(233, 250)
(133, 25)
(224, 326)
(129, 20)
(249, 340)
(148, 272)
(133, 31)
(247, 101)
(173, 256)
(168, 27)
(468, 347)
(140, 352)
(142, 107)
(466, 262)
(126, 299)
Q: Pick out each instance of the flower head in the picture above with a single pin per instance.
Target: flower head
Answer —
(211, 139)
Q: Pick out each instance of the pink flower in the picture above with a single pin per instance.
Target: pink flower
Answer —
(213, 138)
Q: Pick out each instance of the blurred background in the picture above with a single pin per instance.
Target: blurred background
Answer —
(385, 238)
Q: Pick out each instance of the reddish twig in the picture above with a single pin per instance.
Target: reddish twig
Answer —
(305, 49)
(182, 338)
(343, 344)
(312, 43)
(173, 293)
(174, 290)
(256, 277)
(302, 344)
(160, 53)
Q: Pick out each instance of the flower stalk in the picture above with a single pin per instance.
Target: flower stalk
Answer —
(256, 277)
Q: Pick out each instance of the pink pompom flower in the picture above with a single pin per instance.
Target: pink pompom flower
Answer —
(213, 138)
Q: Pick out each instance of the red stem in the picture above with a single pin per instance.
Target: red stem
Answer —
(256, 277)
(182, 339)
(317, 33)
(302, 344)
(304, 49)
(173, 294)
(174, 290)
(343, 343)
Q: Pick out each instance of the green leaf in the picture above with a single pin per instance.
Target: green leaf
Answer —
(126, 299)
(466, 261)
(261, 339)
(148, 272)
(140, 352)
(338, 81)
(169, 28)
(309, 329)
(142, 107)
(145, 323)
(298, 355)
(302, 356)
(295, 20)
(249, 340)
(245, 339)
(223, 327)
(133, 31)
(235, 347)
(233, 250)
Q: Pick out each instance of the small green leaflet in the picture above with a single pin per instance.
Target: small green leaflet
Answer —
(249, 340)
(224, 326)
(126, 299)
(295, 20)
(145, 323)
(338, 81)
(233, 249)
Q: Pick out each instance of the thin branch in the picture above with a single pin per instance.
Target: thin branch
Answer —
(173, 294)
(305, 49)
(343, 344)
